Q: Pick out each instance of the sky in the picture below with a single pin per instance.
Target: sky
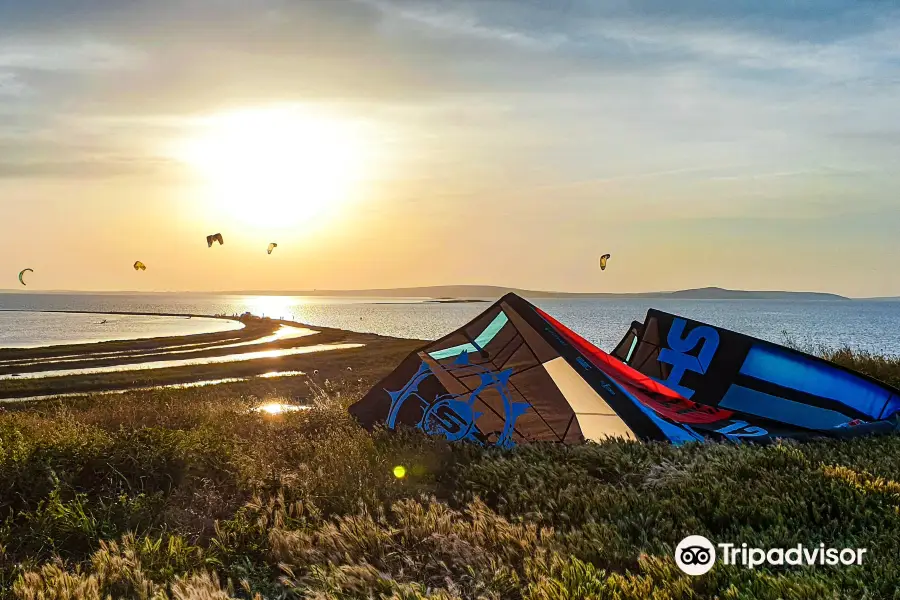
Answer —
(749, 144)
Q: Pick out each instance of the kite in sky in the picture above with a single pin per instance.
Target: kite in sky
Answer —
(22, 273)
(603, 260)
(139, 266)
(272, 246)
(216, 237)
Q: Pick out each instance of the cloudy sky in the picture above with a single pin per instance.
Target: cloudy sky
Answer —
(382, 143)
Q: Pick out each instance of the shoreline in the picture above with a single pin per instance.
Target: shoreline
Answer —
(243, 358)
(120, 312)
(46, 348)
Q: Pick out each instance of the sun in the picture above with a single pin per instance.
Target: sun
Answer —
(276, 167)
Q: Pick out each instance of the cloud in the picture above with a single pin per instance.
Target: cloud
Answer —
(11, 85)
(572, 120)
(564, 92)
(85, 55)
(64, 148)
(29, 69)
(726, 46)
(821, 172)
(88, 168)
(465, 23)
(831, 37)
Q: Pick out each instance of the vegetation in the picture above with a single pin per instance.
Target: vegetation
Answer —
(188, 494)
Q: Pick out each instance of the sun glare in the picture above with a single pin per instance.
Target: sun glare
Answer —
(275, 307)
(277, 408)
(276, 167)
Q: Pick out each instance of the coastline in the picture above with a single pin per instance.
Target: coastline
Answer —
(43, 330)
(240, 358)
(121, 312)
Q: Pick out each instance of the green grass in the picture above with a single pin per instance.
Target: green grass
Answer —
(187, 494)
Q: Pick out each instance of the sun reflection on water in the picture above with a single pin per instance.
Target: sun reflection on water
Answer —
(277, 374)
(277, 408)
(274, 307)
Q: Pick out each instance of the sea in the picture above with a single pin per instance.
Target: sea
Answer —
(867, 325)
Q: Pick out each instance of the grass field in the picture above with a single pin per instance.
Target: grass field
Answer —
(190, 494)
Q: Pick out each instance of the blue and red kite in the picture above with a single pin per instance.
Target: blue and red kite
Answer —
(516, 375)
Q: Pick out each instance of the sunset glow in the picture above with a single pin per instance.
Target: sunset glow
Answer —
(275, 167)
(406, 143)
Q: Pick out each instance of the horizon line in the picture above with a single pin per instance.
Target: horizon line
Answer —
(363, 291)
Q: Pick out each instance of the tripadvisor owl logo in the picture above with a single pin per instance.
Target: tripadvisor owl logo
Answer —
(696, 555)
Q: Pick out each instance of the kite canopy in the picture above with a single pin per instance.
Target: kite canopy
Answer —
(603, 260)
(22, 274)
(272, 246)
(216, 237)
(777, 391)
(139, 266)
(516, 375)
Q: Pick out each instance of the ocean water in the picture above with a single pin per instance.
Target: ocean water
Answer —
(31, 329)
(872, 326)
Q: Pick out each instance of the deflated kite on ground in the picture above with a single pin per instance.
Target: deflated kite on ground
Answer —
(516, 375)
(780, 392)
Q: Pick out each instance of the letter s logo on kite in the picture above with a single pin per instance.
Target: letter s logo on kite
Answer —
(677, 355)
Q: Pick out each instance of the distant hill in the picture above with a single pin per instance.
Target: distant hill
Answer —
(452, 293)
(714, 293)
(491, 292)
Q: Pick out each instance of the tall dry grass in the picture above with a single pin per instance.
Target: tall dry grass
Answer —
(190, 494)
